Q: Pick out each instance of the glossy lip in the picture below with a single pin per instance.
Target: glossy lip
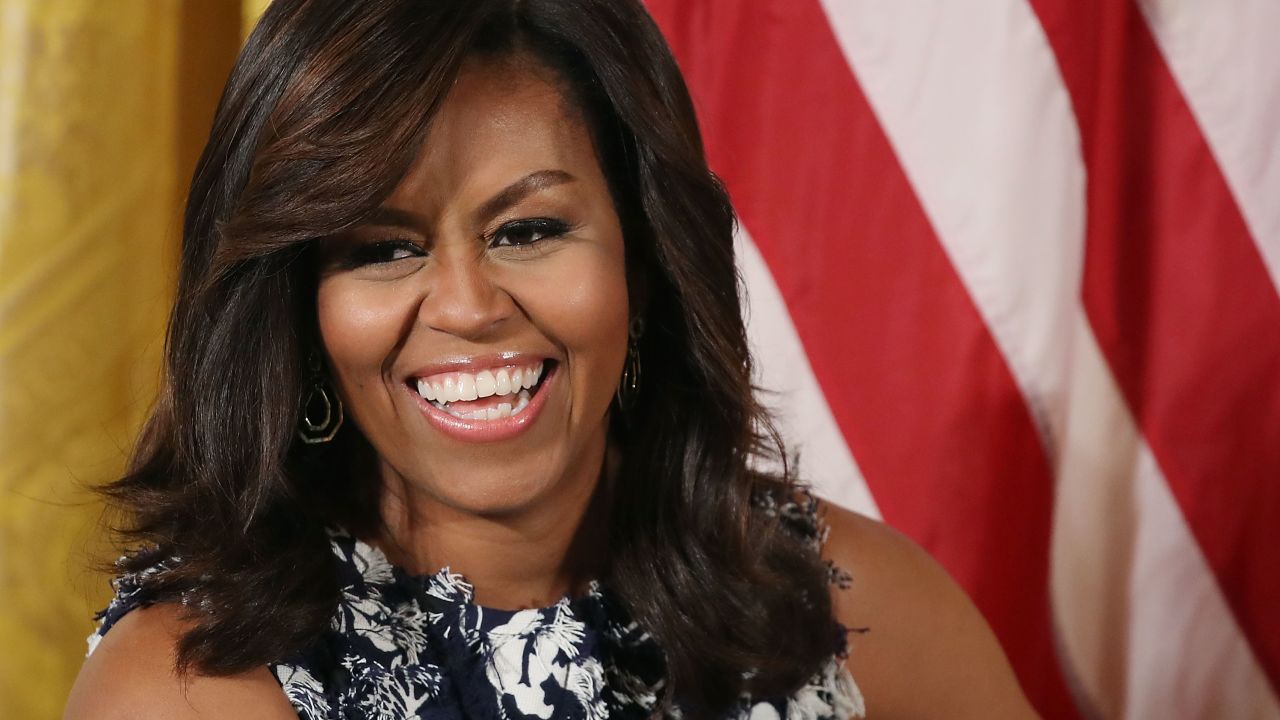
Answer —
(476, 363)
(485, 430)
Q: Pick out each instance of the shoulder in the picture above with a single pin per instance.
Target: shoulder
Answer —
(130, 674)
(926, 650)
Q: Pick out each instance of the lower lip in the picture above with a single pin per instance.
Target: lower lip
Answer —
(488, 430)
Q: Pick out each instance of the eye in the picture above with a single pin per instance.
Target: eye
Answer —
(383, 251)
(523, 233)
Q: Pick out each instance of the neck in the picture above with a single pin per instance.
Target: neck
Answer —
(530, 557)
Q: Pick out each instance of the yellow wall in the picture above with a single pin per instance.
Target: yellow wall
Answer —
(104, 105)
(249, 12)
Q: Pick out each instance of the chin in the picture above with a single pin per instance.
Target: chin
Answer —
(489, 492)
(495, 480)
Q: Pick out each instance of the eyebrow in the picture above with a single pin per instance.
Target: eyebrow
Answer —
(385, 216)
(519, 190)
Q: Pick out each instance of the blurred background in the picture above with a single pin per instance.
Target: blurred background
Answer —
(1012, 273)
(104, 108)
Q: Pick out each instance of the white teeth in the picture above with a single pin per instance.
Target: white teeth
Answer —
(486, 385)
(500, 411)
(502, 382)
(467, 387)
(457, 387)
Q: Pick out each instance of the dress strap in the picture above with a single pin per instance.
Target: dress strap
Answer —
(132, 590)
(798, 511)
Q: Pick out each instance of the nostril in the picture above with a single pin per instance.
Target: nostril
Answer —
(465, 303)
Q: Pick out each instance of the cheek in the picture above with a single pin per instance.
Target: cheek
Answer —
(360, 325)
(600, 312)
(587, 311)
(576, 297)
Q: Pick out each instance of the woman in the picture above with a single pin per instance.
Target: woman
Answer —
(458, 419)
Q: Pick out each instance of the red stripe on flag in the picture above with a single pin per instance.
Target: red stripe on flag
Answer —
(1180, 300)
(914, 378)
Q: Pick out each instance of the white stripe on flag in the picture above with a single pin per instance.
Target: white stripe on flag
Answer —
(1143, 620)
(972, 102)
(1223, 57)
(793, 393)
(1193, 629)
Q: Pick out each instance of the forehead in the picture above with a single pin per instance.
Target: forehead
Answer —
(501, 120)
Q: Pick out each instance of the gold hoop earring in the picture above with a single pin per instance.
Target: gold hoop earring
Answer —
(323, 429)
(629, 386)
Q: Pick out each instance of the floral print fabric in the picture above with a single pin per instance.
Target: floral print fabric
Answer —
(402, 646)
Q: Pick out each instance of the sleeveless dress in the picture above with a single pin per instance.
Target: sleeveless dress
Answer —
(404, 646)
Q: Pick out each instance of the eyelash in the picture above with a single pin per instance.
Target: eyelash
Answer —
(384, 251)
(377, 253)
(546, 228)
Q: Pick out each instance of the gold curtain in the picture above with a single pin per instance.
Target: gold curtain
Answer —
(104, 106)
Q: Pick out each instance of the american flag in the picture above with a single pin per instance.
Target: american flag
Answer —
(1012, 270)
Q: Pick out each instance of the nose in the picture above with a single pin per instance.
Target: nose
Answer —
(462, 298)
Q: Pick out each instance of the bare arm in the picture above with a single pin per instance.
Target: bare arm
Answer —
(928, 652)
(130, 675)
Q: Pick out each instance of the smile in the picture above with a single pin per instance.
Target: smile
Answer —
(457, 393)
(490, 404)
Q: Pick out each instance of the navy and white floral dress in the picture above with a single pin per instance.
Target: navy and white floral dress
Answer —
(402, 646)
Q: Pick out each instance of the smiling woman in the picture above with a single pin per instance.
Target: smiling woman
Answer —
(405, 463)
(497, 263)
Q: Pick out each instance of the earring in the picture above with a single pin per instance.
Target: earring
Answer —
(629, 387)
(321, 430)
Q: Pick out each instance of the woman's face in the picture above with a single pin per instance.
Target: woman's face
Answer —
(476, 331)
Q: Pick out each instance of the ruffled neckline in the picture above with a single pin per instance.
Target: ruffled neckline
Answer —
(446, 588)
(406, 643)
(419, 646)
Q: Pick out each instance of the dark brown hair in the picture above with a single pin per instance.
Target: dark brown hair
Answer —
(320, 119)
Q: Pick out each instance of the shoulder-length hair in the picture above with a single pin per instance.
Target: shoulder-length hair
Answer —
(319, 121)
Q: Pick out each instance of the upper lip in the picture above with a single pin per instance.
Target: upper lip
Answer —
(476, 363)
